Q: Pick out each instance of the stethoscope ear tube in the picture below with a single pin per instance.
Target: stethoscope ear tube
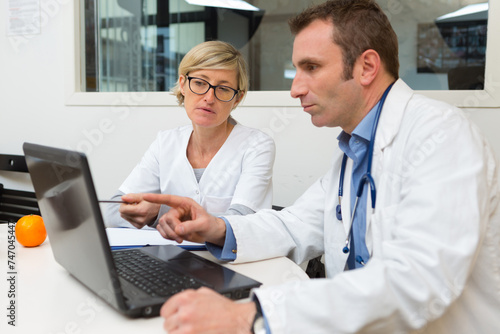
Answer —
(367, 177)
(373, 192)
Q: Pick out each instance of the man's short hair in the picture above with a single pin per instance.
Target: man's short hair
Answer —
(359, 25)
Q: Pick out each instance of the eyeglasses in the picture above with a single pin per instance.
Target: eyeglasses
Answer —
(222, 93)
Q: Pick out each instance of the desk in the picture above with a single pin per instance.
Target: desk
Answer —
(50, 301)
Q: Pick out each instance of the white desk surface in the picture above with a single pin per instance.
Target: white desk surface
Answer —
(50, 301)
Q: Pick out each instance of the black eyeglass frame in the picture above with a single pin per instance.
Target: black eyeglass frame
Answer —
(236, 91)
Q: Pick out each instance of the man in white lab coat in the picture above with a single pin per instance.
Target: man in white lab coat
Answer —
(426, 259)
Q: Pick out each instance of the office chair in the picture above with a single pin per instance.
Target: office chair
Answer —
(15, 204)
(315, 267)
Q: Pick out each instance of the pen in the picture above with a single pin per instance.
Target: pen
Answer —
(111, 201)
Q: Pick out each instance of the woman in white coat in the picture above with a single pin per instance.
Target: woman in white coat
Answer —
(221, 164)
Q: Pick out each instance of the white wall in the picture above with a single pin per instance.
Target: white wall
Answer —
(32, 90)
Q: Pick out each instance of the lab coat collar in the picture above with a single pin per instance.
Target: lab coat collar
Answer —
(392, 114)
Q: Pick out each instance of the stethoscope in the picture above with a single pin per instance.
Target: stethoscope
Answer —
(366, 178)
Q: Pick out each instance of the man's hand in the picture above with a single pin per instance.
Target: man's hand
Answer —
(205, 311)
(187, 220)
(137, 211)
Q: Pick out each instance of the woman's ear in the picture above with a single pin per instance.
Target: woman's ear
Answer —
(182, 81)
(238, 97)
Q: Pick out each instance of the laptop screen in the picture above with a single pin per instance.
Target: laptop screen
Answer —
(69, 206)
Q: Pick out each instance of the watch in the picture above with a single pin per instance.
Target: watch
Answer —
(258, 325)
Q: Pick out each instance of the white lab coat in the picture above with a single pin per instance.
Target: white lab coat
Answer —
(434, 237)
(240, 172)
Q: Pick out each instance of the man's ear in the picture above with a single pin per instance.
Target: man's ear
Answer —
(370, 65)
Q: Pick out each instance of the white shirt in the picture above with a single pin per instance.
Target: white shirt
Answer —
(434, 237)
(240, 173)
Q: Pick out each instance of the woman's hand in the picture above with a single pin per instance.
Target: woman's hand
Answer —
(137, 211)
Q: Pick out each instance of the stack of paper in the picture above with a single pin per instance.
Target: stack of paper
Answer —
(131, 237)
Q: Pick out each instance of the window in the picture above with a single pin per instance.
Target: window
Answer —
(136, 46)
(442, 44)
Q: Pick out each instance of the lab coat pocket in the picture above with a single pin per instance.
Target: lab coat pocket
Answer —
(382, 225)
(216, 205)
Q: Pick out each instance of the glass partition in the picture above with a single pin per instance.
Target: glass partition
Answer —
(136, 45)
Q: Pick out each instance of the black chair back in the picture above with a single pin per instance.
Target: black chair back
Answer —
(15, 203)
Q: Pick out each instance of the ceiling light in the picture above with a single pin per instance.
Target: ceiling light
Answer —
(232, 4)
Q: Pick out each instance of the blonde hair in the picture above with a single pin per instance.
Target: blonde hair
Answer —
(213, 55)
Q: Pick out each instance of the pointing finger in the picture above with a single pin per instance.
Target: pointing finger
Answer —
(170, 200)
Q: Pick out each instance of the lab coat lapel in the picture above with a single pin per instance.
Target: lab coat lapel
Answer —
(346, 198)
(389, 124)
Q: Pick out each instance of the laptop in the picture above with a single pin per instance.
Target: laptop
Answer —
(71, 212)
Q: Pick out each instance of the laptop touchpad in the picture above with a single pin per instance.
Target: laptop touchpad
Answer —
(203, 270)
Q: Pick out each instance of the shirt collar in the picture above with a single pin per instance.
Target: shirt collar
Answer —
(363, 129)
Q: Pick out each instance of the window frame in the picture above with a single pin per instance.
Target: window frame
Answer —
(489, 97)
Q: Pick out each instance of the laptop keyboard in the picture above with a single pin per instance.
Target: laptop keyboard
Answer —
(150, 274)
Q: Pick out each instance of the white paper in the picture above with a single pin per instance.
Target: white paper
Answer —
(23, 17)
(135, 237)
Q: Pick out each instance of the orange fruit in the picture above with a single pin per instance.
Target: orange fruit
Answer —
(30, 231)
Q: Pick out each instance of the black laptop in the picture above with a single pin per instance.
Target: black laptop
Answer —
(134, 281)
